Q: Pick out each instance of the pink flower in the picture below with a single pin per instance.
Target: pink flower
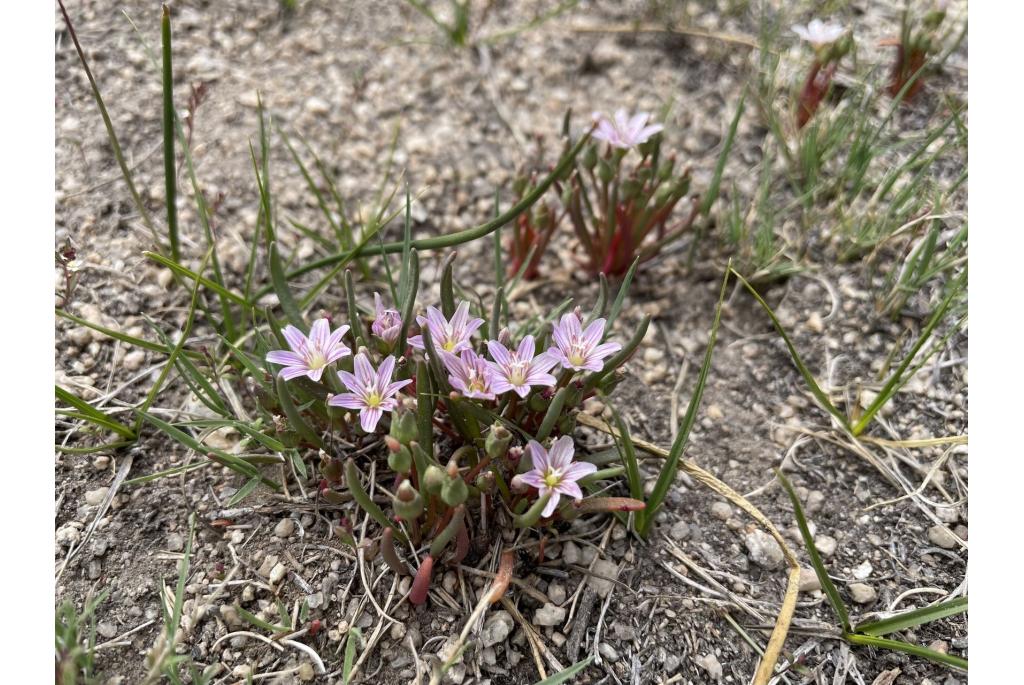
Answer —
(310, 356)
(449, 336)
(579, 349)
(470, 374)
(625, 131)
(372, 394)
(388, 322)
(554, 472)
(819, 33)
(520, 369)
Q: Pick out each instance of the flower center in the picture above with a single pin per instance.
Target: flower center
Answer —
(448, 345)
(373, 399)
(552, 477)
(315, 358)
(576, 356)
(517, 373)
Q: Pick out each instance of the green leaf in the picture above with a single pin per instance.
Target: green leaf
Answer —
(243, 492)
(716, 179)
(170, 173)
(906, 647)
(284, 294)
(668, 470)
(819, 566)
(909, 619)
(353, 308)
(620, 297)
(206, 282)
(354, 635)
(116, 335)
(90, 413)
(808, 377)
(627, 453)
(563, 676)
(298, 423)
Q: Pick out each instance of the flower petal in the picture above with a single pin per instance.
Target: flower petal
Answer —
(369, 417)
(290, 372)
(527, 348)
(560, 454)
(296, 340)
(499, 353)
(364, 371)
(539, 456)
(552, 505)
(350, 381)
(595, 331)
(533, 479)
(347, 400)
(386, 370)
(569, 487)
(577, 470)
(320, 333)
(285, 358)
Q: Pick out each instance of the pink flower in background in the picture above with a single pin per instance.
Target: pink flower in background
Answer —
(579, 349)
(372, 392)
(555, 472)
(310, 356)
(520, 370)
(387, 323)
(625, 131)
(819, 33)
(449, 336)
(470, 374)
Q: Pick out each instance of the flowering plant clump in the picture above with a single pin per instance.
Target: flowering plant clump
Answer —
(621, 194)
(915, 44)
(830, 43)
(478, 414)
(531, 233)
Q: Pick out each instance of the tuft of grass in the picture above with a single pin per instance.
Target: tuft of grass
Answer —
(75, 641)
(868, 633)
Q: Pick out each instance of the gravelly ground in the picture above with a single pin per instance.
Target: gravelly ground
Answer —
(344, 75)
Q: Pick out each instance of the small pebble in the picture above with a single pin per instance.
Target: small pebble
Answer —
(95, 497)
(941, 536)
(721, 510)
(101, 463)
(710, 663)
(763, 549)
(862, 593)
(277, 573)
(549, 615)
(608, 652)
(825, 544)
(809, 580)
(284, 528)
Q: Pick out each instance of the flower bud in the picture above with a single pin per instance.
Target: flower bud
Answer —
(403, 427)
(515, 454)
(408, 502)
(454, 492)
(433, 480)
(518, 486)
(400, 461)
(505, 337)
(330, 467)
(497, 441)
(605, 171)
(537, 402)
(485, 481)
(589, 160)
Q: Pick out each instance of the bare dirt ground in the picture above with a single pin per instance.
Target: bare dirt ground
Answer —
(344, 75)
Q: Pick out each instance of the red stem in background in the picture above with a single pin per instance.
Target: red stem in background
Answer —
(815, 88)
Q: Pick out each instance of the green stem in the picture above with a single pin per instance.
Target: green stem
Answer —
(170, 173)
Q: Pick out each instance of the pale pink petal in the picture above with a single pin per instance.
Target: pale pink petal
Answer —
(592, 336)
(335, 339)
(543, 362)
(636, 122)
(539, 456)
(577, 470)
(499, 385)
(533, 479)
(364, 371)
(527, 348)
(605, 350)
(286, 358)
(560, 454)
(368, 418)
(290, 372)
(347, 400)
(378, 305)
(621, 119)
(350, 381)
(499, 353)
(396, 386)
(552, 505)
(315, 374)
(540, 378)
(320, 333)
(568, 487)
(386, 370)
(470, 328)
(337, 352)
(417, 342)
(460, 317)
(296, 340)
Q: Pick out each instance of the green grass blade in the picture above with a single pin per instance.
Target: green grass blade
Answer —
(206, 282)
(108, 124)
(819, 566)
(620, 297)
(668, 470)
(899, 377)
(353, 309)
(116, 335)
(179, 591)
(284, 294)
(808, 377)
(170, 173)
(354, 635)
(627, 453)
(909, 619)
(450, 239)
(906, 647)
(716, 179)
(92, 414)
(563, 676)
(243, 492)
